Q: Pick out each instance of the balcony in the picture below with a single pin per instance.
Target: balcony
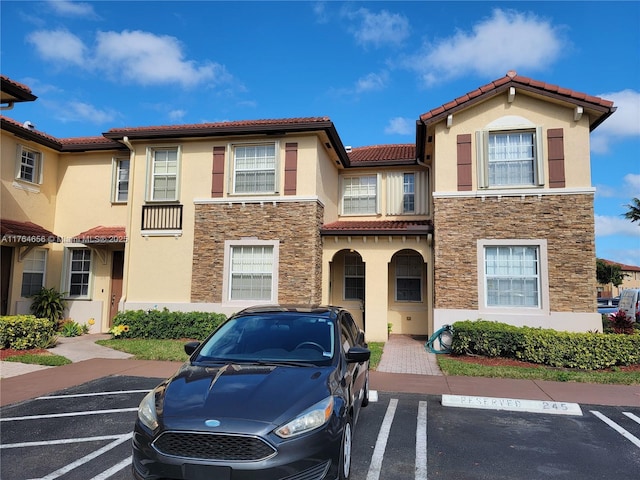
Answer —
(161, 217)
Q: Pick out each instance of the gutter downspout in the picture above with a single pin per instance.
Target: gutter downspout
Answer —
(129, 225)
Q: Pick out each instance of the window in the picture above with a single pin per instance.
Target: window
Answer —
(121, 180)
(251, 272)
(79, 272)
(510, 158)
(359, 195)
(164, 174)
(512, 276)
(409, 193)
(254, 168)
(29, 165)
(408, 277)
(33, 272)
(353, 277)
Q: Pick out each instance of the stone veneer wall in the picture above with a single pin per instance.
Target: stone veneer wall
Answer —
(295, 224)
(565, 221)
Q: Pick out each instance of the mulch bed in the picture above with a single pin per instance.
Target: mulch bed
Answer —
(10, 352)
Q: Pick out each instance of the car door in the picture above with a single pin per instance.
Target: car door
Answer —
(356, 372)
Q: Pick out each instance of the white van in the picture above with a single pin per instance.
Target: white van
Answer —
(630, 303)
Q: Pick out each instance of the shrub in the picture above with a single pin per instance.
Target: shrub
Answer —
(165, 324)
(589, 351)
(24, 332)
(69, 328)
(49, 303)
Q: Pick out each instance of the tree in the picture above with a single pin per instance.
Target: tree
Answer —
(633, 213)
(609, 273)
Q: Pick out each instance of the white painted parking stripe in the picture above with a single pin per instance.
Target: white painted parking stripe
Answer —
(421, 442)
(633, 417)
(626, 434)
(60, 441)
(68, 414)
(381, 443)
(87, 458)
(113, 470)
(512, 404)
(94, 394)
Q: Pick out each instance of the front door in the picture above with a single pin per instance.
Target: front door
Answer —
(117, 268)
(6, 257)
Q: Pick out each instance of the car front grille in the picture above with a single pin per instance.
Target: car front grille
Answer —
(213, 446)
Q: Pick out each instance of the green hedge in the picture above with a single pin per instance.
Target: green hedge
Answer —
(589, 351)
(24, 332)
(165, 324)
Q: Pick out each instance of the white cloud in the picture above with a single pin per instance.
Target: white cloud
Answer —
(59, 46)
(630, 188)
(176, 115)
(378, 29)
(508, 40)
(83, 112)
(401, 126)
(623, 124)
(72, 9)
(371, 82)
(633, 181)
(149, 59)
(607, 225)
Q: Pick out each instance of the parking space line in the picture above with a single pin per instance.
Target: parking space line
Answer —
(113, 470)
(87, 458)
(93, 394)
(60, 442)
(381, 443)
(69, 414)
(633, 417)
(626, 434)
(421, 442)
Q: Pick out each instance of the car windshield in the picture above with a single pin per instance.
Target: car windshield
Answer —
(282, 337)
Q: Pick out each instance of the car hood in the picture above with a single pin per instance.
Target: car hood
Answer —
(253, 393)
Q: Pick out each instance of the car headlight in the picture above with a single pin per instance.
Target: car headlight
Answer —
(312, 418)
(147, 411)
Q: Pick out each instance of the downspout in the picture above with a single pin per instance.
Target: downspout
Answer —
(129, 225)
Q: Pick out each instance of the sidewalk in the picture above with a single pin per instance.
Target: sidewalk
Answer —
(405, 367)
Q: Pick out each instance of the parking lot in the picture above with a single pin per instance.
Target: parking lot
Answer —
(84, 433)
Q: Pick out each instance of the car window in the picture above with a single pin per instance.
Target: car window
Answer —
(271, 337)
(346, 335)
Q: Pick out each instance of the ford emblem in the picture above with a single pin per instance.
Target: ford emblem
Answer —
(212, 423)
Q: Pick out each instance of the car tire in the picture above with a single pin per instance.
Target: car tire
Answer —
(365, 398)
(345, 451)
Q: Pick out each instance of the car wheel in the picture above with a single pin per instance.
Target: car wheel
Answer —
(345, 451)
(365, 398)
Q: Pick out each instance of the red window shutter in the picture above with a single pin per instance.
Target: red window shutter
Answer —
(217, 173)
(464, 162)
(290, 168)
(555, 144)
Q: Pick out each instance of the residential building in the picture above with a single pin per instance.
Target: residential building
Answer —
(631, 279)
(489, 214)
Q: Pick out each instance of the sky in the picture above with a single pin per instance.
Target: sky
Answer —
(372, 67)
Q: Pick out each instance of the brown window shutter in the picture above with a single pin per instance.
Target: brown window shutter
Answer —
(217, 173)
(555, 143)
(464, 162)
(290, 168)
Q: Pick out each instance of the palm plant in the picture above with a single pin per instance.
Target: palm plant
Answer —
(49, 303)
(633, 213)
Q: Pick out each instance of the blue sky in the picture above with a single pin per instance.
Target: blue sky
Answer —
(372, 67)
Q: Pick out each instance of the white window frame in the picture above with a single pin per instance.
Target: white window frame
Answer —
(233, 171)
(37, 174)
(229, 246)
(345, 185)
(69, 272)
(29, 267)
(542, 275)
(408, 194)
(117, 181)
(482, 154)
(398, 276)
(395, 192)
(358, 275)
(152, 176)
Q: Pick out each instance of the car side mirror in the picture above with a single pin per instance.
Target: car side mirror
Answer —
(191, 347)
(358, 355)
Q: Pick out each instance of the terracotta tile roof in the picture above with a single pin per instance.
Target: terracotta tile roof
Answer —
(518, 81)
(384, 154)
(25, 233)
(11, 124)
(377, 227)
(13, 91)
(102, 235)
(627, 268)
